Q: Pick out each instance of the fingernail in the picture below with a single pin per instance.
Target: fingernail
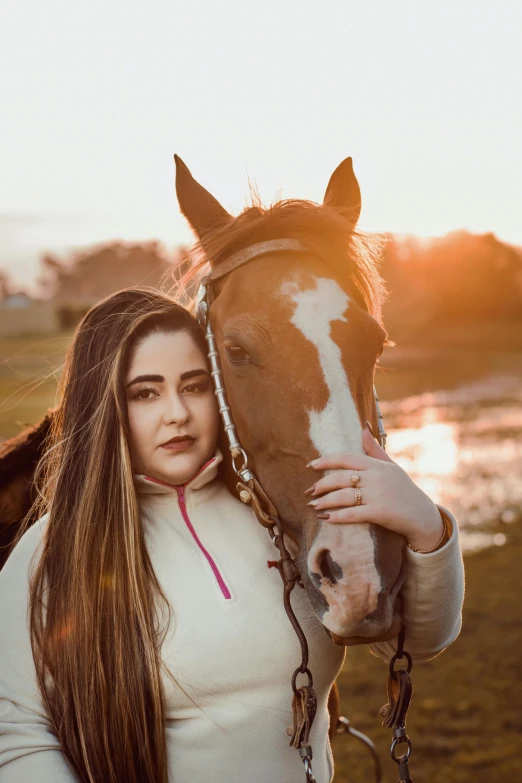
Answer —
(369, 427)
(323, 516)
(313, 503)
(310, 490)
(312, 464)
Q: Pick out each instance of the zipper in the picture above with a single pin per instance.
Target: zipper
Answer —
(212, 564)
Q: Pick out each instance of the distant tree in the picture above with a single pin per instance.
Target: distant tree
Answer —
(91, 274)
(5, 285)
(456, 280)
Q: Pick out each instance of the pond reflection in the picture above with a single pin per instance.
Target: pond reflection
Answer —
(464, 448)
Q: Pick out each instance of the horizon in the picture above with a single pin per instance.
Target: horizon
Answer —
(22, 262)
(423, 98)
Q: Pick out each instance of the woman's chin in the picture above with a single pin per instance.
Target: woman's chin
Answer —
(179, 467)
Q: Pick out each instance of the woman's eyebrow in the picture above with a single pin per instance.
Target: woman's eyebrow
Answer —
(150, 378)
(193, 374)
(160, 379)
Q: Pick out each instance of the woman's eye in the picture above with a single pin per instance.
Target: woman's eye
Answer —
(195, 388)
(237, 355)
(144, 394)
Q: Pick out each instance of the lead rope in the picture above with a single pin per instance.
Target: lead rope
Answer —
(304, 702)
(399, 686)
(400, 690)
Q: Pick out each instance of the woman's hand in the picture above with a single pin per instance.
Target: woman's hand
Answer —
(388, 496)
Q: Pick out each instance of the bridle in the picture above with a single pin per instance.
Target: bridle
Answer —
(304, 703)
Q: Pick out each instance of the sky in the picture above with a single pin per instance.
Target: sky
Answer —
(96, 97)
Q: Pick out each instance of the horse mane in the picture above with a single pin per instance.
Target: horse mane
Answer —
(324, 231)
(23, 451)
(19, 457)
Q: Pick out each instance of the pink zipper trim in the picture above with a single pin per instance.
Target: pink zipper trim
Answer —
(183, 507)
(180, 489)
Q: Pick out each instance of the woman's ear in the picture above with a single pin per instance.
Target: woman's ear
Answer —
(343, 193)
(202, 210)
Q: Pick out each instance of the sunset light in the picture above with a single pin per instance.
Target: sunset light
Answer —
(424, 97)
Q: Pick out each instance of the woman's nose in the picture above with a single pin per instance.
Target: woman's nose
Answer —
(176, 411)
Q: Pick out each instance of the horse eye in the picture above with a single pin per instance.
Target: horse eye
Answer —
(237, 355)
(380, 352)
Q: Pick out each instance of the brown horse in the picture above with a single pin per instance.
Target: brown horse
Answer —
(298, 335)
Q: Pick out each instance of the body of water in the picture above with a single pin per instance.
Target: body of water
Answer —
(464, 448)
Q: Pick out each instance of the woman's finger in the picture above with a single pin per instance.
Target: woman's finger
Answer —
(345, 516)
(341, 498)
(341, 479)
(345, 461)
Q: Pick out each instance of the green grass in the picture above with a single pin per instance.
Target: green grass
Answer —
(465, 719)
(29, 369)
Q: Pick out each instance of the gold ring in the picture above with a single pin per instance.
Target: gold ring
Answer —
(355, 479)
(358, 496)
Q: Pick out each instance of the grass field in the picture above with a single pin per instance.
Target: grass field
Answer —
(29, 369)
(465, 718)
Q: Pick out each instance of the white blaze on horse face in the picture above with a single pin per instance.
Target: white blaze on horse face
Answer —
(333, 430)
(337, 427)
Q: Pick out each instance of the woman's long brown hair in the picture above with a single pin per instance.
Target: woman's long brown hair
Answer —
(97, 613)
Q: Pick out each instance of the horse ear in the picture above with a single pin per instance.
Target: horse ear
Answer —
(202, 210)
(343, 193)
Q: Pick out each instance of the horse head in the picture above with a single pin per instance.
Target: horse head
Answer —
(299, 334)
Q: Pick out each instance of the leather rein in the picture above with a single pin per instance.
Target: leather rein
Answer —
(304, 702)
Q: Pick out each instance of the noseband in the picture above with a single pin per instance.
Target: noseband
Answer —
(304, 703)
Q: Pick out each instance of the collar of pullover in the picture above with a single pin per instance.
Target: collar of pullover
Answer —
(146, 485)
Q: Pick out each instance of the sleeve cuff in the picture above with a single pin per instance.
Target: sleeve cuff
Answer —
(453, 531)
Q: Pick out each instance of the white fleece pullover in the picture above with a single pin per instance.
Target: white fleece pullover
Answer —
(230, 648)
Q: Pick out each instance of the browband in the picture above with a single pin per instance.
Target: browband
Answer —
(251, 252)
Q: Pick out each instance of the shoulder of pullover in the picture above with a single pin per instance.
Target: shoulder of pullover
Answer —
(432, 598)
(29, 749)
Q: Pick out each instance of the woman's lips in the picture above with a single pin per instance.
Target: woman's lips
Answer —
(179, 445)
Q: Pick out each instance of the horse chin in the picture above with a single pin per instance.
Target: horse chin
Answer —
(352, 640)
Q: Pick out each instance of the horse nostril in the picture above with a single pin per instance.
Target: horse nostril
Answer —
(329, 568)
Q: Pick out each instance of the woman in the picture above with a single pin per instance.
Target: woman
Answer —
(149, 651)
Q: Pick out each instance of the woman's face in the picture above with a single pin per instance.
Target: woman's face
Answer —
(173, 415)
